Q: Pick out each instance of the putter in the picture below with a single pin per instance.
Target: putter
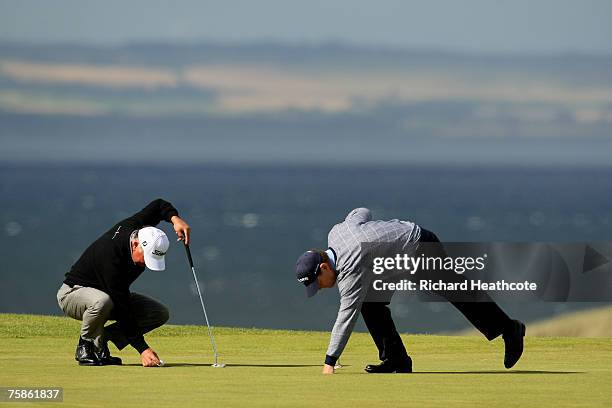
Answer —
(210, 334)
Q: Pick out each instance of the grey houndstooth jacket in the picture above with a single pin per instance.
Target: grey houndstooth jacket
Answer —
(345, 239)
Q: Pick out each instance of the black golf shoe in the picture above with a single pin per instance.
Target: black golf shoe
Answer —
(104, 356)
(85, 354)
(513, 341)
(388, 366)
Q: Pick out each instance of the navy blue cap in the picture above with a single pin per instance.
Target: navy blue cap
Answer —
(306, 269)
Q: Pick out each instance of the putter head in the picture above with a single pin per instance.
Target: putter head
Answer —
(218, 365)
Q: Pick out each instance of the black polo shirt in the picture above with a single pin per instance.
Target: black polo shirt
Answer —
(107, 265)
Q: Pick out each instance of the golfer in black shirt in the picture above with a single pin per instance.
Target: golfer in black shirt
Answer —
(97, 288)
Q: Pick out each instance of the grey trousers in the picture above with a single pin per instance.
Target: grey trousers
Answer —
(94, 308)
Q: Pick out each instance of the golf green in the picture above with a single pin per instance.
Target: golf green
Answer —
(283, 368)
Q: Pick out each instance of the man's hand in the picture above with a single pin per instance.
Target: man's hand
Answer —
(328, 369)
(181, 228)
(149, 358)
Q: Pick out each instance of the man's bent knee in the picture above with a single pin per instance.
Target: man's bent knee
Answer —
(103, 305)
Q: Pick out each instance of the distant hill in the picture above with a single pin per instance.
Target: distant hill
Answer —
(170, 79)
(588, 323)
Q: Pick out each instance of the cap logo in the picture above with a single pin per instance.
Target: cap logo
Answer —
(305, 278)
(158, 252)
(144, 243)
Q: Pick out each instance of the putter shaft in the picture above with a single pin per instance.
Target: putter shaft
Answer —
(210, 333)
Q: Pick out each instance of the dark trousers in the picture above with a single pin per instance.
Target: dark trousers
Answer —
(378, 320)
(485, 316)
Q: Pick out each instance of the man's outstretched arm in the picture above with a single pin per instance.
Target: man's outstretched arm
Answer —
(351, 298)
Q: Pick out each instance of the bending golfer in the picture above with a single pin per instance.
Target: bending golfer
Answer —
(341, 263)
(97, 288)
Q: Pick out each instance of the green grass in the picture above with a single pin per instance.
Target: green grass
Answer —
(282, 368)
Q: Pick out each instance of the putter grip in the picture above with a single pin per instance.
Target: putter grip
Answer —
(189, 255)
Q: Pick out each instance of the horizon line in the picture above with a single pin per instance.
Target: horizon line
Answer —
(310, 45)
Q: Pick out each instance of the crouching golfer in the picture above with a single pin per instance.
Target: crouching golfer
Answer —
(342, 263)
(97, 288)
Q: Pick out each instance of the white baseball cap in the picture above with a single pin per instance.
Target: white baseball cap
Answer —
(155, 244)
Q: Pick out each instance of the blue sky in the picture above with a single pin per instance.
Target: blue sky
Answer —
(482, 26)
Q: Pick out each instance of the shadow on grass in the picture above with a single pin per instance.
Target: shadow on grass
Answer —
(275, 365)
(536, 372)
(233, 365)
(501, 372)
